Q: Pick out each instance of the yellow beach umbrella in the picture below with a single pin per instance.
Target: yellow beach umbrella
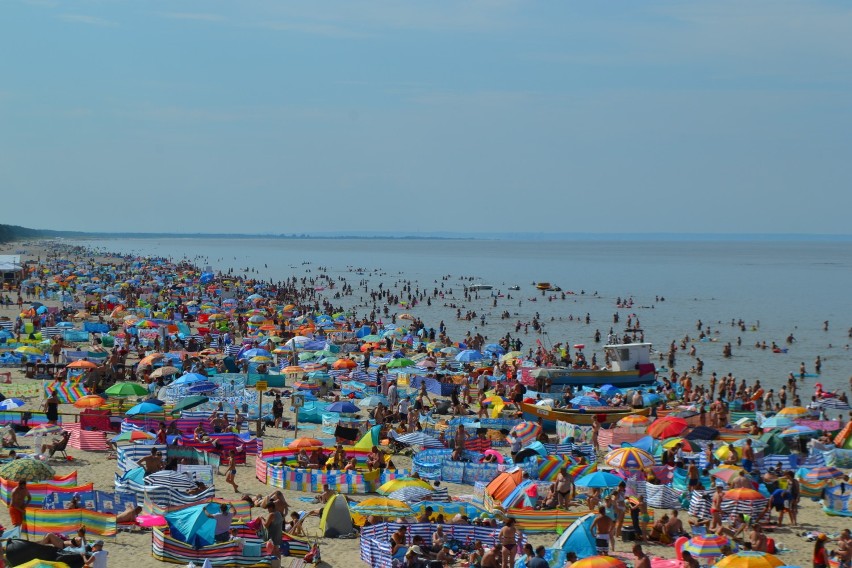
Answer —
(401, 483)
(793, 411)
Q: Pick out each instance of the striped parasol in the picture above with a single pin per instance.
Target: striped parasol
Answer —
(635, 423)
(823, 473)
(420, 439)
(525, 432)
(708, 546)
(798, 430)
(411, 494)
(745, 501)
(629, 458)
(44, 429)
(834, 404)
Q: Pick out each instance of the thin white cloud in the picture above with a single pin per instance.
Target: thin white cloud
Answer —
(321, 29)
(196, 16)
(88, 20)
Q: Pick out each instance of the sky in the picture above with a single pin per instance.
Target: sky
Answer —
(257, 116)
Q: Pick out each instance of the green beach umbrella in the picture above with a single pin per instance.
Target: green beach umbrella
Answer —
(372, 338)
(26, 470)
(401, 363)
(189, 402)
(126, 389)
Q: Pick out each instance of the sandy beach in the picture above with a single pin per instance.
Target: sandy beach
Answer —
(134, 548)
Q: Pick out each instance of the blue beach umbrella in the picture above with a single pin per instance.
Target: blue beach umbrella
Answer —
(599, 479)
(586, 401)
(343, 407)
(145, 408)
(469, 356)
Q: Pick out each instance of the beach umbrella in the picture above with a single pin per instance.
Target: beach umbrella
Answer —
(684, 413)
(144, 408)
(382, 507)
(133, 436)
(126, 389)
(90, 401)
(344, 363)
(188, 402)
(511, 356)
(202, 387)
(343, 407)
(586, 400)
(307, 443)
(11, 403)
(401, 363)
(165, 371)
(26, 470)
(672, 442)
(636, 423)
(150, 359)
(372, 400)
(450, 351)
(44, 429)
(667, 427)
(794, 411)
(598, 479)
(38, 563)
(469, 356)
(420, 439)
(724, 473)
(745, 501)
(189, 378)
(400, 483)
(724, 451)
(599, 561)
(798, 430)
(756, 443)
(750, 559)
(525, 432)
(29, 350)
(256, 352)
(709, 546)
(777, 422)
(652, 398)
(81, 364)
(823, 473)
(411, 494)
(293, 370)
(629, 458)
(834, 403)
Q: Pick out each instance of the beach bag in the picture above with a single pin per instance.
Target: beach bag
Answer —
(313, 555)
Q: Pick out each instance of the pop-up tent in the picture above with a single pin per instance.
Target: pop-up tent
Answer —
(192, 526)
(501, 486)
(336, 520)
(577, 538)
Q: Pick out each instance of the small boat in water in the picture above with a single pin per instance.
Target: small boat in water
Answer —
(515, 287)
(479, 287)
(629, 366)
(542, 285)
(583, 416)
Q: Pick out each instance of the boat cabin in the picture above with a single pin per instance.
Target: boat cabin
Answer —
(628, 356)
(478, 287)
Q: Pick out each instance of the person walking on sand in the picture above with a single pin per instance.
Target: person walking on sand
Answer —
(232, 470)
(18, 501)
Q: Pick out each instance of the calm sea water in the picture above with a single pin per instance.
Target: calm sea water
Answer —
(788, 287)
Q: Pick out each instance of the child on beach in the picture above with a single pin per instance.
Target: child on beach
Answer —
(232, 470)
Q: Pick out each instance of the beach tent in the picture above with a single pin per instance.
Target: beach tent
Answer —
(523, 496)
(336, 520)
(775, 445)
(370, 439)
(578, 538)
(192, 526)
(843, 440)
(501, 486)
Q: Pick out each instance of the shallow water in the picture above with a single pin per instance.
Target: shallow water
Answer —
(788, 287)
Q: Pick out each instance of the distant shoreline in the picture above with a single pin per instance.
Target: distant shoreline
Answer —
(575, 237)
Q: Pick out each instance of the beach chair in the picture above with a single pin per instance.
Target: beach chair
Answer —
(59, 448)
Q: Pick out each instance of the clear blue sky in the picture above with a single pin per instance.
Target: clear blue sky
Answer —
(268, 116)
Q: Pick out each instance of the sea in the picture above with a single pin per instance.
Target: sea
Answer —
(777, 288)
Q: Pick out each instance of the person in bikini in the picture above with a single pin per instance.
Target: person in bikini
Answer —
(509, 540)
(563, 488)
